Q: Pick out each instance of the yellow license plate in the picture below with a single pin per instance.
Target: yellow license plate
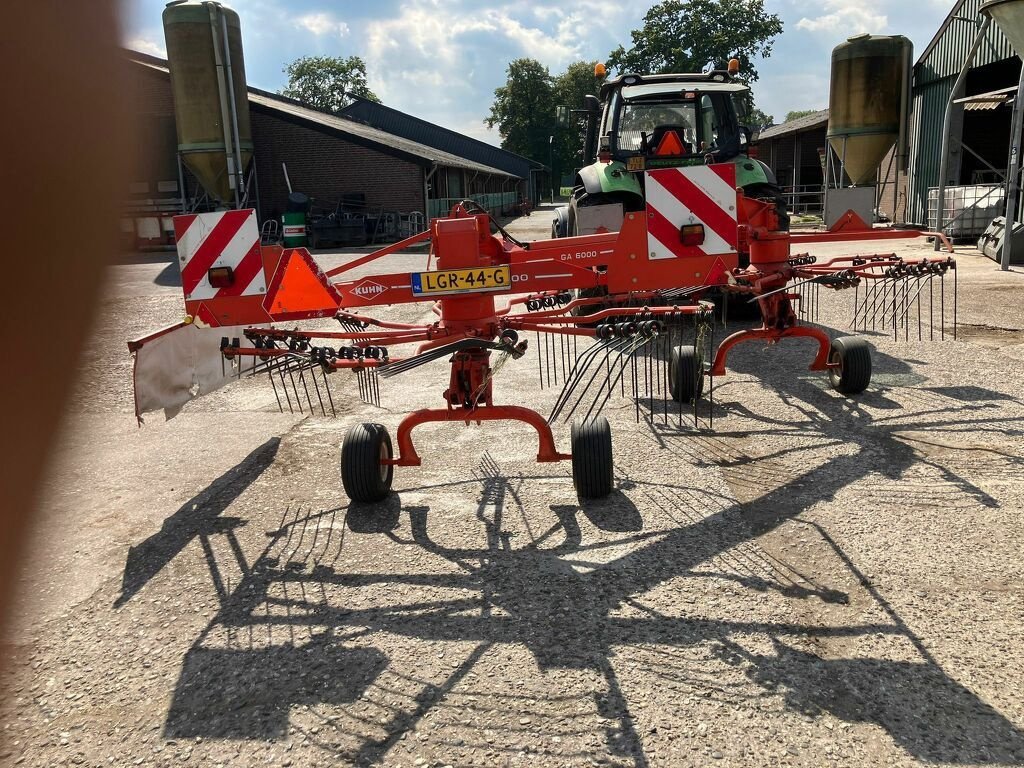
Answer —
(448, 281)
(636, 163)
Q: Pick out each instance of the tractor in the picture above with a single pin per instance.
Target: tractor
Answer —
(645, 122)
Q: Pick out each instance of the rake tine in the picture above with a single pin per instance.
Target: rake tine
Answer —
(907, 303)
(323, 411)
(942, 285)
(302, 379)
(604, 401)
(295, 389)
(629, 353)
(955, 293)
(711, 383)
(563, 347)
(921, 288)
(547, 357)
(376, 388)
(582, 365)
(635, 383)
(330, 398)
(540, 364)
(615, 346)
(276, 395)
(284, 386)
(856, 305)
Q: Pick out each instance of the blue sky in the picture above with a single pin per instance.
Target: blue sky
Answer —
(442, 59)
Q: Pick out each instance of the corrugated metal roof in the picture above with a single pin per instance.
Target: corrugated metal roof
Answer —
(359, 133)
(805, 123)
(988, 101)
(416, 129)
(363, 133)
(946, 53)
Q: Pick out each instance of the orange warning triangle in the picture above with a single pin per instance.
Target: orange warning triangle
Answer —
(719, 274)
(670, 145)
(299, 288)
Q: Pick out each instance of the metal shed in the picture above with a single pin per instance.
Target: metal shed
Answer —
(397, 123)
(793, 151)
(980, 137)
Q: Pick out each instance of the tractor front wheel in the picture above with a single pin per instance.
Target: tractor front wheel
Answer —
(852, 357)
(364, 474)
(592, 471)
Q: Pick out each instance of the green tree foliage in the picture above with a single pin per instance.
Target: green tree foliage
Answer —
(570, 88)
(759, 119)
(684, 35)
(327, 83)
(524, 110)
(797, 114)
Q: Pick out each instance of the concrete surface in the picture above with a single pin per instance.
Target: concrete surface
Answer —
(816, 581)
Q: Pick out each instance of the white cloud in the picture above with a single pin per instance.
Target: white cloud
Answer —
(147, 45)
(321, 24)
(853, 17)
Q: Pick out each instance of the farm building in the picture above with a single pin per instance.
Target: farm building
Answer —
(982, 110)
(339, 161)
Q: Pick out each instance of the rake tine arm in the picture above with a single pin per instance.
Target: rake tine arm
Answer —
(393, 248)
(363, 321)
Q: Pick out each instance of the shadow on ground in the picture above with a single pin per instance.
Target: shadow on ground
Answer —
(567, 610)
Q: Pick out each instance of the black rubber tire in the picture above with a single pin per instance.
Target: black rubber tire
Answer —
(685, 374)
(854, 357)
(363, 476)
(593, 473)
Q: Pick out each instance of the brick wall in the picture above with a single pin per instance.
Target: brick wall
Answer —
(321, 165)
(325, 167)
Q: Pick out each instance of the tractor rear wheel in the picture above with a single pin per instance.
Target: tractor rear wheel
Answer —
(364, 474)
(592, 471)
(853, 374)
(685, 374)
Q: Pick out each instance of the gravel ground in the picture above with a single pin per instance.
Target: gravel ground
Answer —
(814, 581)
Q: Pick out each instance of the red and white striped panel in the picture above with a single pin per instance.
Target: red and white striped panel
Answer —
(703, 194)
(221, 239)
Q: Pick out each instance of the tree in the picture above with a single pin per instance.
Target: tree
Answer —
(758, 119)
(524, 110)
(684, 35)
(570, 88)
(327, 83)
(797, 114)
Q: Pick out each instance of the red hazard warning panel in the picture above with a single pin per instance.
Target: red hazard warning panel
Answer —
(220, 244)
(300, 289)
(679, 197)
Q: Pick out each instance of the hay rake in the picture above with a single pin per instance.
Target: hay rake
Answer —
(635, 298)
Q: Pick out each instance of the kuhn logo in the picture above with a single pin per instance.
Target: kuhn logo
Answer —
(368, 289)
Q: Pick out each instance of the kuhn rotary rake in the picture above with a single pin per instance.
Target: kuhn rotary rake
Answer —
(649, 325)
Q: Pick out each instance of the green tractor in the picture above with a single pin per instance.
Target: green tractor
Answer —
(646, 122)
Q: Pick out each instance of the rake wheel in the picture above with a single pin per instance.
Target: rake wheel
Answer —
(685, 374)
(592, 470)
(363, 474)
(854, 372)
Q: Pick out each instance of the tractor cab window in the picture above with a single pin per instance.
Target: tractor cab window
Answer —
(639, 118)
(710, 122)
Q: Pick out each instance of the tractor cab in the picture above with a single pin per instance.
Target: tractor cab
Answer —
(643, 123)
(670, 120)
